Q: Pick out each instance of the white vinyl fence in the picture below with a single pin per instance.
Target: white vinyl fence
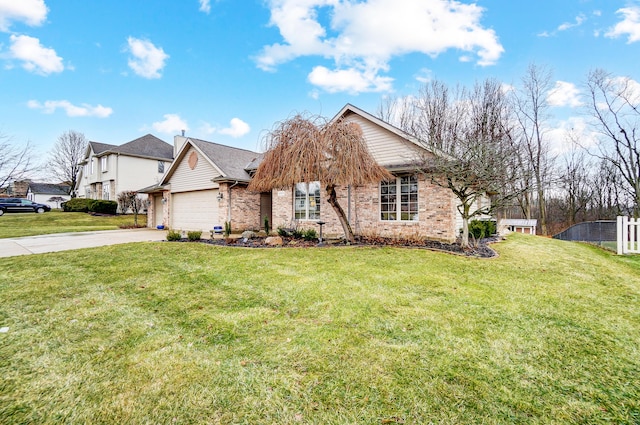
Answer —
(628, 235)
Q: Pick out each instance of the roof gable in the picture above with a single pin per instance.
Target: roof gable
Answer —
(229, 161)
(394, 148)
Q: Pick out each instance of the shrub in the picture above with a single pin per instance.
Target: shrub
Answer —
(227, 229)
(282, 232)
(482, 228)
(194, 235)
(267, 225)
(103, 207)
(309, 235)
(77, 205)
(173, 235)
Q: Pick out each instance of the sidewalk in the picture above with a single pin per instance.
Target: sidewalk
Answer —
(67, 241)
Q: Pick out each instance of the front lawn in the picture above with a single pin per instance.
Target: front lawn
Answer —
(30, 224)
(191, 333)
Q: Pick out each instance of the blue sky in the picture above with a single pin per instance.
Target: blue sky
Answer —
(227, 70)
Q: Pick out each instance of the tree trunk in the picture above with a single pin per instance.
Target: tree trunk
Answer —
(465, 225)
(333, 201)
(542, 209)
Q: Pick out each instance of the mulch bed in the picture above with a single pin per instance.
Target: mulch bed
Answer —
(480, 250)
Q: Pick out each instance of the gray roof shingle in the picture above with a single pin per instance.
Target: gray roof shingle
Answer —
(233, 162)
(147, 146)
(99, 148)
(50, 188)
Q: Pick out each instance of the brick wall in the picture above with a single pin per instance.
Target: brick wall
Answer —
(245, 207)
(436, 213)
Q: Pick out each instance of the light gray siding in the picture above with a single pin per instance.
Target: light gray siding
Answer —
(386, 147)
(186, 179)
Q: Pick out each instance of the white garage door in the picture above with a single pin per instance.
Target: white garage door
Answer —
(195, 210)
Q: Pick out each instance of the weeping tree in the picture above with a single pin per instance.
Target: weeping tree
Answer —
(306, 149)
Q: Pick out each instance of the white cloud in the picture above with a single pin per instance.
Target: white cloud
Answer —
(172, 124)
(564, 133)
(629, 26)
(84, 110)
(207, 129)
(424, 76)
(147, 60)
(205, 6)
(362, 37)
(568, 25)
(36, 58)
(31, 12)
(349, 80)
(564, 94)
(237, 128)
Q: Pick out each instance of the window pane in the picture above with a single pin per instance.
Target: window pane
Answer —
(403, 207)
(307, 201)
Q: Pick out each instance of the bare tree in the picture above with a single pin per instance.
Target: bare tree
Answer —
(614, 106)
(471, 149)
(531, 108)
(66, 155)
(575, 182)
(15, 160)
(129, 200)
(312, 149)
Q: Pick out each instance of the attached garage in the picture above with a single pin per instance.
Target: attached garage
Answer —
(195, 210)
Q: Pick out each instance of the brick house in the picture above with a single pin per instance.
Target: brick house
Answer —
(207, 185)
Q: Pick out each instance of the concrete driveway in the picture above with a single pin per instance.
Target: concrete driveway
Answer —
(66, 241)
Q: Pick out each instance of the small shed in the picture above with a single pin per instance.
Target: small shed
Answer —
(519, 225)
(42, 192)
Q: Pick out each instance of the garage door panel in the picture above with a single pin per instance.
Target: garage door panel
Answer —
(195, 210)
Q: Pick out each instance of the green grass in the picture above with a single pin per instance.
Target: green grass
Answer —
(190, 333)
(30, 224)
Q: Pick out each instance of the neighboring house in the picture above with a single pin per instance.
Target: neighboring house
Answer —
(518, 225)
(43, 192)
(108, 170)
(17, 188)
(206, 186)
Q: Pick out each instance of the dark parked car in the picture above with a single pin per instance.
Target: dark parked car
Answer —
(15, 205)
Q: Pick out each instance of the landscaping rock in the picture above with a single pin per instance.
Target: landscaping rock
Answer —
(274, 241)
(248, 234)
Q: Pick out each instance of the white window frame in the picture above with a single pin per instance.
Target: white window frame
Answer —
(106, 190)
(104, 164)
(92, 166)
(161, 167)
(306, 205)
(399, 199)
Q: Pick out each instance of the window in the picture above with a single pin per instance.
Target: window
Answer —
(92, 169)
(106, 190)
(307, 201)
(399, 199)
(85, 171)
(161, 166)
(103, 164)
